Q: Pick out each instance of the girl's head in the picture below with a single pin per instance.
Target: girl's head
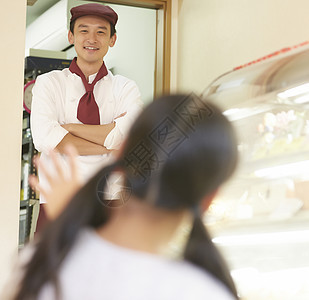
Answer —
(179, 150)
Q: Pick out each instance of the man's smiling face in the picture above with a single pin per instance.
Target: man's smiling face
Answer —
(91, 39)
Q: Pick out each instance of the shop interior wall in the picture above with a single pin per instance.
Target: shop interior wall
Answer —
(214, 36)
(12, 23)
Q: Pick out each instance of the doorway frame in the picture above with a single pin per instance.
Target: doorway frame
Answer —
(162, 84)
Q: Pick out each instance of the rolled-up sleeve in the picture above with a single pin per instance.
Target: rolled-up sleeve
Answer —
(129, 97)
(45, 128)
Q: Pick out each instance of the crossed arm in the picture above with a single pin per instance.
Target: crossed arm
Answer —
(87, 139)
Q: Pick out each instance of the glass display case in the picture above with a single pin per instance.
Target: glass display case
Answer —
(260, 220)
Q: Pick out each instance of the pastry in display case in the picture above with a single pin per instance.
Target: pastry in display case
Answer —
(260, 218)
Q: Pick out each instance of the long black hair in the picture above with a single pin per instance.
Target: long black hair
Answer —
(179, 150)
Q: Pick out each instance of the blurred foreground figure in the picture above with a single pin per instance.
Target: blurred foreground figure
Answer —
(176, 156)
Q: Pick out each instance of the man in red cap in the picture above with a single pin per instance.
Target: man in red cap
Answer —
(85, 104)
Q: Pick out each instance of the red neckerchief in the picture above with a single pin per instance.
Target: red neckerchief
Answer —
(88, 110)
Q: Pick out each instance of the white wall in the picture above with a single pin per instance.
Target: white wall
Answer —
(13, 23)
(217, 35)
(134, 52)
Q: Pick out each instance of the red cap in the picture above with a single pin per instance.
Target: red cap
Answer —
(94, 9)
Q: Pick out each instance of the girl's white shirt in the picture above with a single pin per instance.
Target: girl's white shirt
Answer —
(97, 269)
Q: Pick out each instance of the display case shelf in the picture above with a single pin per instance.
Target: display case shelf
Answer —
(260, 218)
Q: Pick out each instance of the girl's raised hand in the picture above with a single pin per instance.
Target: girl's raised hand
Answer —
(63, 184)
